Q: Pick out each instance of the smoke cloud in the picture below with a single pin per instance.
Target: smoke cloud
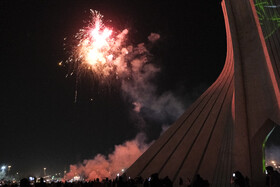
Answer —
(102, 166)
(2, 174)
(153, 37)
(143, 93)
(136, 73)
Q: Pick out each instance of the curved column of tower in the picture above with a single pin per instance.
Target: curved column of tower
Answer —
(198, 141)
(223, 130)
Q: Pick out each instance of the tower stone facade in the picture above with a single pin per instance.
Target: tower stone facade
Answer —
(224, 129)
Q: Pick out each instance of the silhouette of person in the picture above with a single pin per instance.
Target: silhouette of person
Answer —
(238, 179)
(198, 181)
(181, 182)
(146, 183)
(124, 177)
(42, 183)
(120, 182)
(272, 177)
(155, 182)
(167, 182)
(24, 182)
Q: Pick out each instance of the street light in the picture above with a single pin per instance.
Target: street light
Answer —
(3, 168)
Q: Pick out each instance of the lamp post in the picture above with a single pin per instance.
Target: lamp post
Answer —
(45, 171)
(9, 168)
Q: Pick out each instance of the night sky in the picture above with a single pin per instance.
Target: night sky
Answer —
(41, 126)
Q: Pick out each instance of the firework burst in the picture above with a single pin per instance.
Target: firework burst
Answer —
(99, 49)
(105, 55)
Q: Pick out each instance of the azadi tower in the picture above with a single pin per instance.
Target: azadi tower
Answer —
(225, 129)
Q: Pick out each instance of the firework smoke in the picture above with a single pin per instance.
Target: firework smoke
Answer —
(153, 37)
(109, 166)
(106, 55)
(144, 93)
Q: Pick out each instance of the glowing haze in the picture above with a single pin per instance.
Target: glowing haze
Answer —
(106, 55)
(102, 166)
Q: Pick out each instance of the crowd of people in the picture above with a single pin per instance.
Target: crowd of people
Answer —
(121, 181)
(238, 180)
